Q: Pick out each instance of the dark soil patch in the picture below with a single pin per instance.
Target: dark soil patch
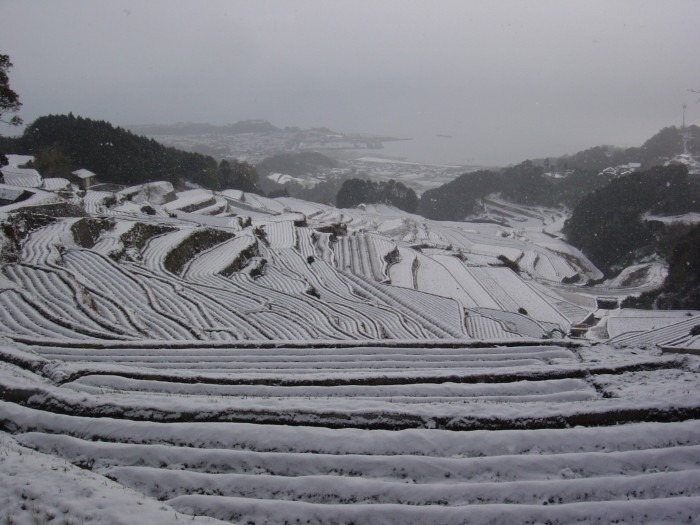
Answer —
(17, 228)
(198, 206)
(139, 235)
(199, 241)
(241, 261)
(87, 231)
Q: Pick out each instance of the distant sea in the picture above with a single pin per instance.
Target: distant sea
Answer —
(430, 149)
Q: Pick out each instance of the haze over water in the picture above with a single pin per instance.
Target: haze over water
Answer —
(507, 80)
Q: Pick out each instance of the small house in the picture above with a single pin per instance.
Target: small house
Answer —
(83, 178)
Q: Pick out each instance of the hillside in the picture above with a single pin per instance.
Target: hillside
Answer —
(221, 356)
(562, 181)
(525, 183)
(624, 222)
(63, 143)
(656, 151)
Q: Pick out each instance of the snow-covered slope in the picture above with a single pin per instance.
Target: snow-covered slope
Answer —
(224, 356)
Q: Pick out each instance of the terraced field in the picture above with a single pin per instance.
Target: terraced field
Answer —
(371, 435)
(227, 357)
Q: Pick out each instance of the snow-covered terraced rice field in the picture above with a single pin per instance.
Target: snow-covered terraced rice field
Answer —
(55, 184)
(284, 374)
(94, 201)
(42, 246)
(110, 241)
(283, 303)
(281, 234)
(402, 272)
(153, 255)
(218, 258)
(546, 265)
(191, 200)
(629, 320)
(263, 203)
(24, 178)
(664, 335)
(367, 435)
(484, 327)
(219, 206)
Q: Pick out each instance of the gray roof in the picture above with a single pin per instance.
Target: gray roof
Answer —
(83, 173)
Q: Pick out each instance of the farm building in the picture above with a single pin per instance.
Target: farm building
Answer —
(83, 178)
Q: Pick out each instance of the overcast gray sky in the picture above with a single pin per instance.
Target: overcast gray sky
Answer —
(507, 79)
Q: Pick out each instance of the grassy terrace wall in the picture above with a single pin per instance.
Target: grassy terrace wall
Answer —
(198, 242)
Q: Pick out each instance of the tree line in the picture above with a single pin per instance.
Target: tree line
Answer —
(360, 191)
(62, 143)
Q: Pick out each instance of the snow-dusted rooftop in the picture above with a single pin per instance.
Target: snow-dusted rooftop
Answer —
(83, 173)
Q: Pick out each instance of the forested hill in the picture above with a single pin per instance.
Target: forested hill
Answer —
(655, 151)
(62, 143)
(457, 199)
(525, 183)
(358, 191)
(609, 226)
(574, 176)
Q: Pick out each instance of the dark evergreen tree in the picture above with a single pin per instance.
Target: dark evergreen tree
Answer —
(296, 164)
(9, 100)
(682, 286)
(457, 199)
(118, 156)
(359, 191)
(607, 224)
(527, 184)
(237, 175)
(354, 192)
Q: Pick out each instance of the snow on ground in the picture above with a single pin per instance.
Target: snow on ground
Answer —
(151, 192)
(189, 200)
(630, 320)
(56, 184)
(646, 275)
(42, 488)
(20, 177)
(283, 178)
(236, 195)
(687, 218)
(110, 241)
(408, 469)
(37, 197)
(332, 366)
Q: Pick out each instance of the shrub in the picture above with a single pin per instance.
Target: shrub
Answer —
(513, 265)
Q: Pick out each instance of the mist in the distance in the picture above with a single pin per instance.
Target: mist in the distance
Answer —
(472, 82)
